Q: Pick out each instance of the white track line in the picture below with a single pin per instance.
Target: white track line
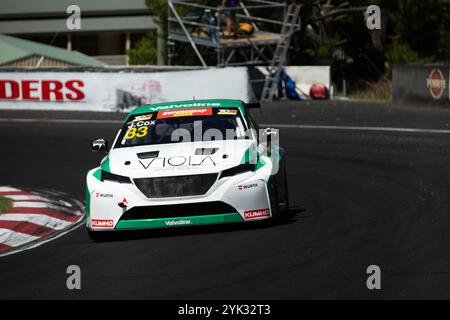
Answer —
(9, 189)
(32, 204)
(25, 197)
(291, 126)
(39, 219)
(357, 128)
(14, 238)
(19, 204)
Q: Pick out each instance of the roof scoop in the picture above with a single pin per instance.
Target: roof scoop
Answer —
(148, 155)
(205, 151)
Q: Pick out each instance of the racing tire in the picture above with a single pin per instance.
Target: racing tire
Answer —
(281, 195)
(282, 191)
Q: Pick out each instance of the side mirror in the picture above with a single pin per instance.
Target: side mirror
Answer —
(99, 145)
(270, 133)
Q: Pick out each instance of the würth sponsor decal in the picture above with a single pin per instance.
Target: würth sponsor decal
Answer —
(103, 195)
(242, 187)
(42, 90)
(184, 113)
(436, 83)
(33, 217)
(177, 222)
(102, 223)
(252, 214)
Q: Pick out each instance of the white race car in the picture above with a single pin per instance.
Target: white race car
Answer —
(183, 164)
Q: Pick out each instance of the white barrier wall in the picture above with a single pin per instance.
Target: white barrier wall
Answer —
(117, 91)
(306, 76)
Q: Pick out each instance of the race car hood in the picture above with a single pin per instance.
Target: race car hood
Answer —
(177, 158)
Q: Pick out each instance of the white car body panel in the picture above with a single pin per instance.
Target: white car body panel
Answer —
(249, 193)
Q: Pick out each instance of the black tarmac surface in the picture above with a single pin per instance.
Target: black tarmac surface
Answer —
(359, 198)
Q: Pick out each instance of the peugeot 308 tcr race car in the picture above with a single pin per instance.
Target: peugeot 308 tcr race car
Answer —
(183, 164)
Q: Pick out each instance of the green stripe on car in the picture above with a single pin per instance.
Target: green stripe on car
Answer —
(105, 165)
(98, 174)
(189, 104)
(179, 221)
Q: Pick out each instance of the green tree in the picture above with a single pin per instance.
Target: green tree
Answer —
(146, 51)
(334, 33)
(421, 25)
(160, 14)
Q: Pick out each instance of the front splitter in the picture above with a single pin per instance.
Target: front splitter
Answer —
(179, 221)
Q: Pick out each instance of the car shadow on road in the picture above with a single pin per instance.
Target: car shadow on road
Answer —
(290, 216)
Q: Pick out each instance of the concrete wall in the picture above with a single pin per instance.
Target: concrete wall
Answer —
(424, 85)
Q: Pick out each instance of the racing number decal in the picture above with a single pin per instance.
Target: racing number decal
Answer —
(142, 132)
(131, 133)
(138, 127)
(136, 133)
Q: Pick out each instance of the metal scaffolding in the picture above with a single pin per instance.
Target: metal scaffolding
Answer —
(201, 27)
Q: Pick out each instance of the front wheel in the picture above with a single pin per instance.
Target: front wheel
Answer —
(282, 189)
(281, 195)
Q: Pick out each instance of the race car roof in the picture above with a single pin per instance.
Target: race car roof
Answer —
(190, 104)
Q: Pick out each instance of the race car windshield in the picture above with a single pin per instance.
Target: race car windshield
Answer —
(182, 125)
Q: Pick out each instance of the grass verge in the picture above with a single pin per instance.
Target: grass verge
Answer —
(375, 91)
(5, 204)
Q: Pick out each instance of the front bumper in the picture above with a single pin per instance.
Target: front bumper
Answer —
(178, 222)
(110, 205)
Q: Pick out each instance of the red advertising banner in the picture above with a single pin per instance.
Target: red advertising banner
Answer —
(184, 113)
(118, 91)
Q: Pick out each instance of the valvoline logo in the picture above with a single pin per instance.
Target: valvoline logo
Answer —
(436, 83)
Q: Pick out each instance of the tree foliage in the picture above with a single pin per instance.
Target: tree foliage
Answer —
(334, 32)
(159, 9)
(160, 14)
(145, 52)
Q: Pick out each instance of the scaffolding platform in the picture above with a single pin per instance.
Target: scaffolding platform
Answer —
(258, 38)
(201, 26)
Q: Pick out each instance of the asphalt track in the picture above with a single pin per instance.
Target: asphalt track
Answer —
(359, 197)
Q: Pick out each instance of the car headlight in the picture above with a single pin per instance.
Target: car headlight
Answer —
(108, 176)
(247, 167)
